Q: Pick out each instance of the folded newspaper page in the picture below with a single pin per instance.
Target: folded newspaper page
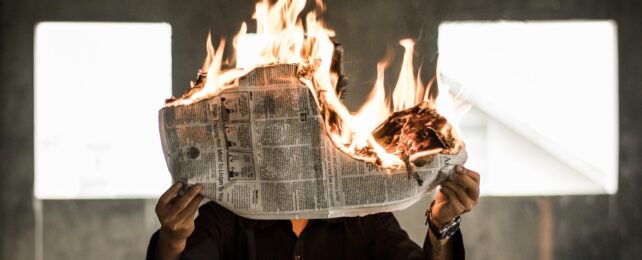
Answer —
(260, 151)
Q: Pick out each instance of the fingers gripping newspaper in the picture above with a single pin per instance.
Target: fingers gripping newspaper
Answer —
(260, 151)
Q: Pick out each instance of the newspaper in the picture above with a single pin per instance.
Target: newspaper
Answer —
(260, 151)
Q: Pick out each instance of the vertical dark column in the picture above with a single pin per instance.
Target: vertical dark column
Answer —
(16, 133)
(430, 16)
(3, 167)
(629, 195)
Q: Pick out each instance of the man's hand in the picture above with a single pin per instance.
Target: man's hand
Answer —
(176, 214)
(456, 196)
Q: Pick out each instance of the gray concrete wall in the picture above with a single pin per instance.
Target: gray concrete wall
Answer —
(576, 227)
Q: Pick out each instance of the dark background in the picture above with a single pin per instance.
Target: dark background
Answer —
(576, 227)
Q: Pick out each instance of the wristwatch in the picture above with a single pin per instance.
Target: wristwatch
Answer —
(447, 231)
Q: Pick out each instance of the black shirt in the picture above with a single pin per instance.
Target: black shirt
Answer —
(221, 234)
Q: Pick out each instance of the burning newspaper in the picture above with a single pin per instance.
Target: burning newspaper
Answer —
(260, 150)
(269, 137)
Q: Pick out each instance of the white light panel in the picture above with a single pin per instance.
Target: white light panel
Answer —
(98, 89)
(545, 98)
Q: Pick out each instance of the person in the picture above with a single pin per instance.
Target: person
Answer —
(217, 233)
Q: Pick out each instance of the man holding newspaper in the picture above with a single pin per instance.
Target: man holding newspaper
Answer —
(217, 233)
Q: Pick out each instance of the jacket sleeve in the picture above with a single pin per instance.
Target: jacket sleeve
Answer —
(152, 248)
(389, 241)
(457, 242)
(206, 242)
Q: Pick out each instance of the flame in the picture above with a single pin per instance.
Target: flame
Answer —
(282, 38)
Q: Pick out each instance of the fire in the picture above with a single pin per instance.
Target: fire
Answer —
(392, 132)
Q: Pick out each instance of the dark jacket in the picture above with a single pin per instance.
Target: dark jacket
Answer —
(221, 234)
